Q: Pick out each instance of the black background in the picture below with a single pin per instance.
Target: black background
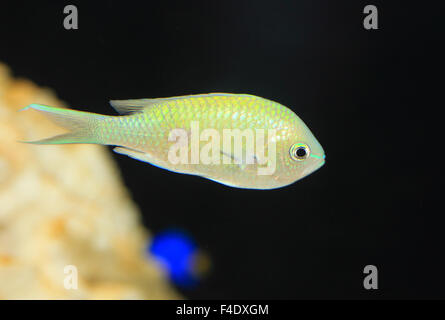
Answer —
(358, 91)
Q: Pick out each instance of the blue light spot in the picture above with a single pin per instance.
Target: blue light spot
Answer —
(175, 250)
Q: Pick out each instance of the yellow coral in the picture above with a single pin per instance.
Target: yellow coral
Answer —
(52, 218)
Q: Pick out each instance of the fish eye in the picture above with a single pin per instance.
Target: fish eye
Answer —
(299, 151)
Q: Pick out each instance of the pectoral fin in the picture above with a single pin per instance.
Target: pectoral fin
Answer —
(242, 163)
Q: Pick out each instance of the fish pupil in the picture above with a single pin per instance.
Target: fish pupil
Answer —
(301, 152)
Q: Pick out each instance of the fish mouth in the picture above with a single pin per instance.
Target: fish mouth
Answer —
(320, 162)
(322, 158)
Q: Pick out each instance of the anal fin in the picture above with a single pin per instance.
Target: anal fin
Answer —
(133, 153)
(141, 156)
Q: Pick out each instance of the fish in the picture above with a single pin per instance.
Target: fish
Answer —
(239, 140)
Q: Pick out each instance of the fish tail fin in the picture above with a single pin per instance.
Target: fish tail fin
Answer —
(80, 125)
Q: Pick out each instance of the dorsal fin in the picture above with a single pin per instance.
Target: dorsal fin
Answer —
(136, 105)
(132, 105)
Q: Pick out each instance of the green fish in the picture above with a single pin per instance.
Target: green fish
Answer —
(239, 140)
